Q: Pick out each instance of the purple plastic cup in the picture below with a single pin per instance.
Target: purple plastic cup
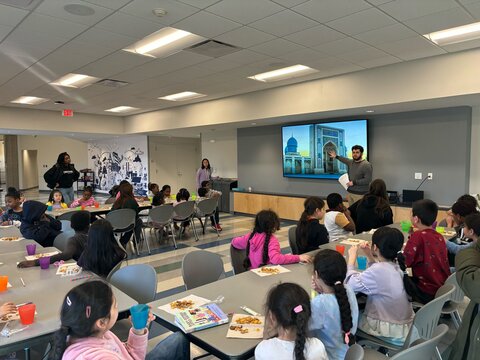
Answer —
(44, 262)
(31, 249)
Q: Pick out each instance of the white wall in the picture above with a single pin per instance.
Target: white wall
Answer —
(474, 152)
(174, 161)
(48, 148)
(29, 169)
(220, 148)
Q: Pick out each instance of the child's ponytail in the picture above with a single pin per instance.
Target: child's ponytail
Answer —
(331, 267)
(302, 325)
(59, 343)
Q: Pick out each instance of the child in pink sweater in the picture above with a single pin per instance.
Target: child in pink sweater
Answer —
(262, 246)
(88, 313)
(86, 200)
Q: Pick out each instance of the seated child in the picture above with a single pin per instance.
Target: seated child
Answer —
(14, 208)
(337, 220)
(426, 252)
(80, 222)
(86, 200)
(214, 220)
(287, 313)
(158, 199)
(262, 246)
(37, 225)
(88, 313)
(470, 231)
(210, 193)
(388, 313)
(55, 200)
(335, 308)
(167, 192)
(182, 196)
(450, 220)
(459, 211)
(153, 189)
(310, 234)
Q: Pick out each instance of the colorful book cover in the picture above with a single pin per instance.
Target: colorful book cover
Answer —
(201, 317)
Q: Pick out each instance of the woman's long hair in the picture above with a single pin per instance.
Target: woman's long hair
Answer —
(311, 204)
(126, 193)
(378, 189)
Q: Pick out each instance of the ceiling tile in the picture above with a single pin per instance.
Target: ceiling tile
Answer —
(114, 63)
(328, 10)
(244, 37)
(50, 26)
(244, 57)
(201, 4)
(315, 36)
(176, 11)
(284, 23)
(85, 51)
(55, 8)
(110, 4)
(303, 57)
(365, 54)
(245, 11)
(474, 9)
(409, 9)
(206, 24)
(11, 16)
(133, 26)
(328, 62)
(386, 34)
(99, 37)
(341, 46)
(440, 20)
(4, 30)
(27, 44)
(289, 3)
(277, 47)
(462, 46)
(361, 21)
(10, 67)
(411, 48)
(379, 2)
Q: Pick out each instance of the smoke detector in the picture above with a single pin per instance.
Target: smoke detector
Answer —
(159, 12)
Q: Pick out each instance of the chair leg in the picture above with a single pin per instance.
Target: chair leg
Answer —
(194, 229)
(135, 243)
(146, 241)
(458, 317)
(117, 237)
(173, 235)
(438, 355)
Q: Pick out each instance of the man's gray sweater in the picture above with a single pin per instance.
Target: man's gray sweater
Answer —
(360, 173)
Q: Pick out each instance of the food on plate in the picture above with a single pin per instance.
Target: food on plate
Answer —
(182, 304)
(269, 270)
(9, 238)
(248, 320)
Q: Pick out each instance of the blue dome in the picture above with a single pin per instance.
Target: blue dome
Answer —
(292, 145)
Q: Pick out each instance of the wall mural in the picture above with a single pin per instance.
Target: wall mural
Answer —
(120, 159)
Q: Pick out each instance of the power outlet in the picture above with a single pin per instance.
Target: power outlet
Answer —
(430, 176)
(418, 176)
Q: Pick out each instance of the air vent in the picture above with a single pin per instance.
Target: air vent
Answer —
(111, 83)
(213, 48)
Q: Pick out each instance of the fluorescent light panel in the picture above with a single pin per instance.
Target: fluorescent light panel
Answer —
(186, 95)
(119, 109)
(29, 100)
(455, 35)
(76, 81)
(284, 73)
(164, 42)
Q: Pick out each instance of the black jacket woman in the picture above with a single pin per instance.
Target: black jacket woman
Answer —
(62, 175)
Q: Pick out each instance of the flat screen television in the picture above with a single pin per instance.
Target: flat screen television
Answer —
(305, 147)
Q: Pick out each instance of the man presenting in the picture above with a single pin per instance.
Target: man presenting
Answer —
(359, 173)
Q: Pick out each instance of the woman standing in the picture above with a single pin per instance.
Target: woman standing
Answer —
(204, 173)
(62, 175)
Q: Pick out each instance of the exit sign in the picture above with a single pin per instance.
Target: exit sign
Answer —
(67, 112)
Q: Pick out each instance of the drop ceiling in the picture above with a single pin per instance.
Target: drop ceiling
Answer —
(41, 41)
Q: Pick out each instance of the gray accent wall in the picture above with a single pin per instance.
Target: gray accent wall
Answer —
(436, 141)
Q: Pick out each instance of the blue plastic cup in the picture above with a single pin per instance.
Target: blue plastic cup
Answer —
(49, 208)
(139, 315)
(362, 262)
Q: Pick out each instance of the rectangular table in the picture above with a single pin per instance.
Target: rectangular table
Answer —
(14, 246)
(47, 290)
(101, 210)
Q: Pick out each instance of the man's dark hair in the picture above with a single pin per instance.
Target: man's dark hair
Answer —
(426, 210)
(358, 147)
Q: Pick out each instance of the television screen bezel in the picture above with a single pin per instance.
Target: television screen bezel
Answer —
(316, 177)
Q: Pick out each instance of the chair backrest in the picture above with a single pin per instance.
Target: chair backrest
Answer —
(66, 225)
(66, 216)
(61, 240)
(292, 239)
(122, 219)
(207, 206)
(184, 210)
(425, 349)
(201, 267)
(426, 318)
(458, 294)
(161, 214)
(137, 281)
(355, 352)
(115, 269)
(237, 257)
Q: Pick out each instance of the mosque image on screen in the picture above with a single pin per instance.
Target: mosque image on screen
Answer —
(306, 148)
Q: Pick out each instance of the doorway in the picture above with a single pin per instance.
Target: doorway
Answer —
(29, 169)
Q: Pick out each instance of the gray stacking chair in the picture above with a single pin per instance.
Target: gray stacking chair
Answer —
(205, 209)
(185, 211)
(292, 239)
(201, 267)
(66, 216)
(123, 221)
(61, 240)
(421, 350)
(237, 257)
(355, 352)
(160, 218)
(452, 306)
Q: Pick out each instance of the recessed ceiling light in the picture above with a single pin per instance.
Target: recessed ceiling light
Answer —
(119, 109)
(29, 100)
(254, 123)
(76, 81)
(455, 35)
(164, 42)
(284, 73)
(370, 111)
(186, 95)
